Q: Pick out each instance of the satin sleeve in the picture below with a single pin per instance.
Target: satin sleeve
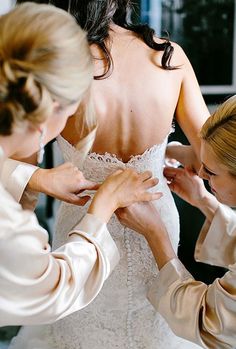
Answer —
(15, 176)
(39, 286)
(205, 315)
(216, 243)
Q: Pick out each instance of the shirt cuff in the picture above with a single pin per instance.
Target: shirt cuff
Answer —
(214, 237)
(15, 177)
(94, 230)
(172, 271)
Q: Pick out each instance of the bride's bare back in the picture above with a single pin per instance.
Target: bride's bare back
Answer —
(135, 105)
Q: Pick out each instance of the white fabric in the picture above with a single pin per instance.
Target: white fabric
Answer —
(203, 314)
(39, 286)
(121, 316)
(15, 176)
(217, 240)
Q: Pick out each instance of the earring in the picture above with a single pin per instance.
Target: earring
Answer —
(41, 147)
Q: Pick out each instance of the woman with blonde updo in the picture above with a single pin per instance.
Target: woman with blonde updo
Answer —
(45, 71)
(203, 314)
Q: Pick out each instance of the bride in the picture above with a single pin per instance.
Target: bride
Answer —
(136, 94)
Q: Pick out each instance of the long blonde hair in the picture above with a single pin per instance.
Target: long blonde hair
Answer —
(219, 131)
(44, 57)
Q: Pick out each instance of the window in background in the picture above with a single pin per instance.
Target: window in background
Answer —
(207, 32)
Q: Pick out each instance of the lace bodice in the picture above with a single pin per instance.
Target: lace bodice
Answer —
(121, 316)
(97, 167)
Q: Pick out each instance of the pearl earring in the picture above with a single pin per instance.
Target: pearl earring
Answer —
(41, 147)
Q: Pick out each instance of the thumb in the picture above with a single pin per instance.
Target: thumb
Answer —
(157, 196)
(80, 200)
(89, 185)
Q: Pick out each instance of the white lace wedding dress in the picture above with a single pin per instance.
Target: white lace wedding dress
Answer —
(120, 317)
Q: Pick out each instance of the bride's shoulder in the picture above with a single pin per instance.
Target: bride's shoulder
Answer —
(179, 57)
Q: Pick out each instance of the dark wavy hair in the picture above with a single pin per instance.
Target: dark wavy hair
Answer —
(95, 16)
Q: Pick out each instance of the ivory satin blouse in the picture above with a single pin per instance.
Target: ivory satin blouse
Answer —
(203, 314)
(36, 285)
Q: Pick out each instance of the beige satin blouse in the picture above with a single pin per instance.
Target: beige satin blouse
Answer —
(36, 285)
(202, 314)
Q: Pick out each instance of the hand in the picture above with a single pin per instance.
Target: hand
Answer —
(145, 219)
(121, 189)
(186, 184)
(142, 217)
(64, 182)
(183, 154)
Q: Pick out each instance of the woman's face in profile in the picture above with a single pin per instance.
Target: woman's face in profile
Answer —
(53, 126)
(222, 183)
(57, 122)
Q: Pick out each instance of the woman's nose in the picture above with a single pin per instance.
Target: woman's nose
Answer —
(203, 174)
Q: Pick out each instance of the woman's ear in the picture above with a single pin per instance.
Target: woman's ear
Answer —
(37, 127)
(56, 105)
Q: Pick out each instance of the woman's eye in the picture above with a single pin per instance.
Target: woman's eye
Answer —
(208, 172)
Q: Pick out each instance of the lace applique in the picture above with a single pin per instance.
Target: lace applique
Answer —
(70, 153)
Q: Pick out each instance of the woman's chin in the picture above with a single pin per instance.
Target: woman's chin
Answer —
(228, 202)
(217, 196)
(22, 155)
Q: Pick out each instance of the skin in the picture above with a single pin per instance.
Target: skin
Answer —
(222, 183)
(134, 112)
(17, 146)
(139, 96)
(121, 189)
(146, 220)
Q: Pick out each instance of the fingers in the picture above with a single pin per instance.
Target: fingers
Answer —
(145, 175)
(129, 172)
(172, 172)
(120, 212)
(79, 200)
(179, 173)
(156, 196)
(176, 175)
(190, 170)
(173, 187)
(151, 196)
(117, 172)
(88, 185)
(149, 183)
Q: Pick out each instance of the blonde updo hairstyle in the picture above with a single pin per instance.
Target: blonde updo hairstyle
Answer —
(44, 57)
(219, 131)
